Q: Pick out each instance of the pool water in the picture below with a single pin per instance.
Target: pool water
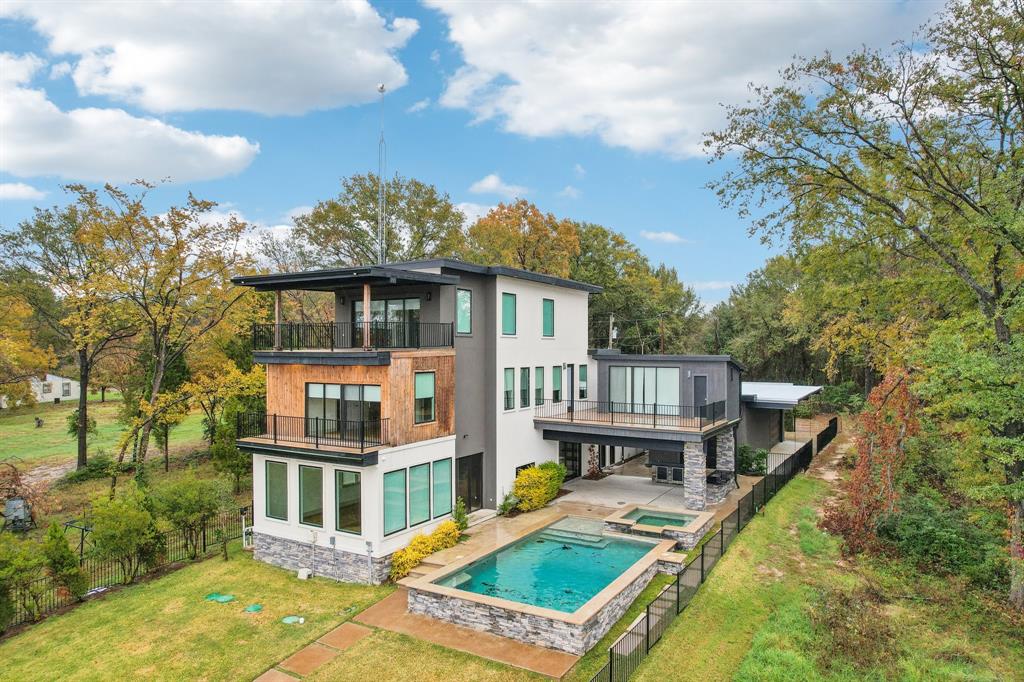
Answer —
(649, 518)
(560, 567)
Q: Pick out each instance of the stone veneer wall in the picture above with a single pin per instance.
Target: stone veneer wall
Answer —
(726, 449)
(684, 539)
(718, 492)
(694, 479)
(322, 561)
(527, 627)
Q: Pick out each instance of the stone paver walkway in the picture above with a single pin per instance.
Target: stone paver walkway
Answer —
(312, 656)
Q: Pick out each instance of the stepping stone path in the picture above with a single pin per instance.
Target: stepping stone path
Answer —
(306, 660)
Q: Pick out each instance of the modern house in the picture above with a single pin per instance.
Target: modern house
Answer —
(51, 388)
(439, 380)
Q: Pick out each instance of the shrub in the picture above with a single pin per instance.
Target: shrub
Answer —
(72, 424)
(459, 515)
(99, 465)
(188, 504)
(536, 486)
(446, 535)
(63, 563)
(943, 540)
(856, 627)
(124, 530)
(508, 504)
(751, 461)
(844, 397)
(22, 567)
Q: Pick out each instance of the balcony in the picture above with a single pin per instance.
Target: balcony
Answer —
(332, 336)
(331, 435)
(633, 415)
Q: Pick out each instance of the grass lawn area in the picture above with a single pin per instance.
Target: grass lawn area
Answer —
(165, 630)
(752, 619)
(52, 444)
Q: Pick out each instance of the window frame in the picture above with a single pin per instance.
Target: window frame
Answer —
(266, 489)
(459, 331)
(430, 493)
(509, 296)
(433, 398)
(508, 389)
(451, 487)
(301, 521)
(524, 466)
(524, 387)
(581, 380)
(544, 318)
(405, 501)
(556, 371)
(538, 387)
(337, 505)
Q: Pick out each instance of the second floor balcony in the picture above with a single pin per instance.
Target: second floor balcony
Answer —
(634, 415)
(315, 433)
(332, 336)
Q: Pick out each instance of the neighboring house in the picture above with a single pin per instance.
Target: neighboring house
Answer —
(51, 388)
(460, 376)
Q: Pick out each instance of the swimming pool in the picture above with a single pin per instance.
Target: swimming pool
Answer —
(560, 567)
(647, 517)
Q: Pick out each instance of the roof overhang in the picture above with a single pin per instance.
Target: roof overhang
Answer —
(330, 280)
(365, 459)
(771, 395)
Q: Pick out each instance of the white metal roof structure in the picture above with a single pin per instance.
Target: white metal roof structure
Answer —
(774, 395)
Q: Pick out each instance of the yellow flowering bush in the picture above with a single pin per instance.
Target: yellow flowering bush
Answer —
(404, 560)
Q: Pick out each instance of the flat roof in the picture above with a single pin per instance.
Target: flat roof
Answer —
(496, 270)
(775, 395)
(617, 354)
(329, 280)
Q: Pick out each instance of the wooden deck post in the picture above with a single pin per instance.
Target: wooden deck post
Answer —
(277, 320)
(366, 316)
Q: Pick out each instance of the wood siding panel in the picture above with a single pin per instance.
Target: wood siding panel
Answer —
(286, 390)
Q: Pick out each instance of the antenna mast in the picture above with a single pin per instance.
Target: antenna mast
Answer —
(382, 208)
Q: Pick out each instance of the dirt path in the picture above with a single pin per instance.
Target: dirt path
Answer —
(47, 473)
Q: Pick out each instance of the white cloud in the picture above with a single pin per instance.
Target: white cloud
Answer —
(59, 70)
(473, 212)
(493, 184)
(19, 191)
(271, 57)
(435, 56)
(664, 237)
(570, 192)
(418, 106)
(102, 144)
(711, 285)
(648, 76)
(579, 170)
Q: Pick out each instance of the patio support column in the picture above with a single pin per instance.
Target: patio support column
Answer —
(366, 316)
(726, 449)
(277, 320)
(695, 482)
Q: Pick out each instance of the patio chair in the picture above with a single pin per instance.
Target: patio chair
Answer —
(17, 515)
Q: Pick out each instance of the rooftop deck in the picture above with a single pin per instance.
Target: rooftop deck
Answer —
(680, 418)
(346, 336)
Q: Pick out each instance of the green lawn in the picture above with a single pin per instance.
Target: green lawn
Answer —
(165, 630)
(52, 444)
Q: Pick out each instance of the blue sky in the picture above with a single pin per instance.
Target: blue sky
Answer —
(593, 112)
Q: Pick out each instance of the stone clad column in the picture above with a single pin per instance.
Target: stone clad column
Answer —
(726, 449)
(695, 483)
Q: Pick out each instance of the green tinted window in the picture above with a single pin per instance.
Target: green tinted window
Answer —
(349, 518)
(538, 386)
(442, 487)
(549, 317)
(419, 494)
(463, 311)
(277, 490)
(583, 382)
(510, 388)
(556, 384)
(424, 398)
(394, 501)
(508, 313)
(311, 496)
(524, 387)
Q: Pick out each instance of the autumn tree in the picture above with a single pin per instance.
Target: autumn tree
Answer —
(20, 356)
(519, 235)
(911, 158)
(75, 302)
(421, 223)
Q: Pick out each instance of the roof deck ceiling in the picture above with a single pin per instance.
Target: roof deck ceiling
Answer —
(331, 280)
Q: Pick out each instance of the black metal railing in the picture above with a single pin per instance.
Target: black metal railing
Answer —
(349, 335)
(634, 414)
(633, 646)
(314, 431)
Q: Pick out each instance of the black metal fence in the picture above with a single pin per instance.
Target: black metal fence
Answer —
(633, 414)
(314, 431)
(349, 335)
(632, 647)
(44, 595)
(827, 434)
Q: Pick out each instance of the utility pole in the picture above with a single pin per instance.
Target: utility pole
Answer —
(611, 328)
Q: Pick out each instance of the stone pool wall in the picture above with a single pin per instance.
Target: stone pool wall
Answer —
(527, 625)
(322, 561)
(689, 539)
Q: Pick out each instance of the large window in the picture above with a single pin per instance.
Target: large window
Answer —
(402, 314)
(524, 387)
(508, 313)
(394, 501)
(276, 474)
(419, 494)
(338, 409)
(463, 311)
(639, 389)
(442, 487)
(348, 499)
(583, 382)
(510, 388)
(424, 407)
(556, 384)
(548, 310)
(538, 386)
(65, 389)
(311, 496)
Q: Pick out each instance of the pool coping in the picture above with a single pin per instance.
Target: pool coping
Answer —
(581, 615)
(701, 518)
